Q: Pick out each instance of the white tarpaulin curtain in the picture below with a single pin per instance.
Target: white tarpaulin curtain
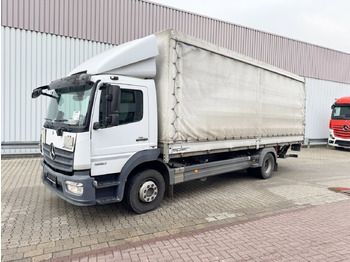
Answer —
(206, 93)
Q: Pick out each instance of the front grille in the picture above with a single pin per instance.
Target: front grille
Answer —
(339, 132)
(342, 143)
(63, 160)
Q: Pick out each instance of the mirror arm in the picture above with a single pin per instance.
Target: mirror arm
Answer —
(55, 97)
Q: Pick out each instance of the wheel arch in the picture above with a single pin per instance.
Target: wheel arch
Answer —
(142, 160)
(263, 152)
(155, 165)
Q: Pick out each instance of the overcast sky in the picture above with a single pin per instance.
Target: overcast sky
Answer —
(321, 22)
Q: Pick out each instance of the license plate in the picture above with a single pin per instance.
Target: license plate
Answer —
(51, 178)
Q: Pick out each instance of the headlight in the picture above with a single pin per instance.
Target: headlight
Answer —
(331, 134)
(68, 142)
(44, 135)
(75, 188)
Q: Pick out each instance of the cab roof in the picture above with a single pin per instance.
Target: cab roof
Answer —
(343, 100)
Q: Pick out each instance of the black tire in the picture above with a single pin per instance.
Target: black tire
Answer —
(267, 167)
(152, 194)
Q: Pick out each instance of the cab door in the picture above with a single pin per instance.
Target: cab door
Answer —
(120, 127)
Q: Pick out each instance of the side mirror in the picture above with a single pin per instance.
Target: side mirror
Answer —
(36, 93)
(113, 102)
(115, 119)
(112, 120)
(114, 98)
(109, 106)
(39, 91)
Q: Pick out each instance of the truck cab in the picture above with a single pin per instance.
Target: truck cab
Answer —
(339, 125)
(98, 120)
(94, 125)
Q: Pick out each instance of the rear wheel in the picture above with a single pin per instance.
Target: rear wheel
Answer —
(145, 191)
(267, 167)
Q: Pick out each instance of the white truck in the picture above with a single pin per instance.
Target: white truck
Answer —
(131, 122)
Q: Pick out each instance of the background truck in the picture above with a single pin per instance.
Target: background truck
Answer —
(130, 123)
(339, 125)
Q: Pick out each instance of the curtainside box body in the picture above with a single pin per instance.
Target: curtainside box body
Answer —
(211, 99)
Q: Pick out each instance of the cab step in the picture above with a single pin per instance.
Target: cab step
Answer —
(106, 184)
(107, 200)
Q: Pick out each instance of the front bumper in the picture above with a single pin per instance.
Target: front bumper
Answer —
(338, 142)
(56, 182)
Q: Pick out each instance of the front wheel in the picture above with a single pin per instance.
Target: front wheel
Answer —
(145, 191)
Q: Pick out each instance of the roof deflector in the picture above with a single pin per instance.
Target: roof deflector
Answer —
(135, 58)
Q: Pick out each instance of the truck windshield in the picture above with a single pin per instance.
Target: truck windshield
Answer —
(70, 105)
(341, 112)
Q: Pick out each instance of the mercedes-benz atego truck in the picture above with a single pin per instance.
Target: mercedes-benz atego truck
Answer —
(131, 122)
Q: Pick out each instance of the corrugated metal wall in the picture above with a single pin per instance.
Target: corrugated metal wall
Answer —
(118, 21)
(29, 60)
(320, 96)
(53, 43)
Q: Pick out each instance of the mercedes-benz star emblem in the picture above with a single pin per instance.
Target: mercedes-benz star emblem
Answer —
(346, 128)
(52, 152)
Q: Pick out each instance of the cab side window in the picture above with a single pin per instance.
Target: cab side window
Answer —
(130, 107)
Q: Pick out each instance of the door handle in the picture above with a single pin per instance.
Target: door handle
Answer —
(141, 139)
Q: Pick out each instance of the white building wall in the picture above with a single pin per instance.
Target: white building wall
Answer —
(320, 96)
(31, 59)
(120, 21)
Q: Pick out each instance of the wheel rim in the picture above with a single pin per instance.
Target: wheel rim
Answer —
(148, 191)
(267, 166)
